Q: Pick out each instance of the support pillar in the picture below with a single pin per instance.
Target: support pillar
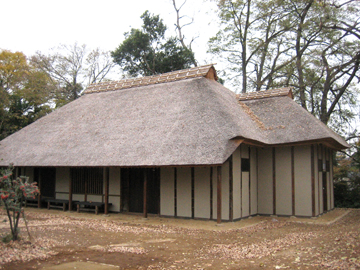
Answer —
(145, 194)
(70, 192)
(218, 194)
(39, 185)
(107, 176)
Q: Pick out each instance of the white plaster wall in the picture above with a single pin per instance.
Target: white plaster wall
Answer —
(225, 191)
(62, 196)
(95, 198)
(244, 151)
(114, 189)
(283, 181)
(114, 181)
(79, 197)
(184, 192)
(29, 172)
(245, 193)
(302, 164)
(317, 190)
(236, 184)
(214, 181)
(253, 181)
(202, 192)
(265, 181)
(167, 191)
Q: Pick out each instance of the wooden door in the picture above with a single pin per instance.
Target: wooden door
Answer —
(46, 177)
(324, 186)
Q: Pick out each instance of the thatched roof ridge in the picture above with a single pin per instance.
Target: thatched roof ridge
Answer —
(286, 91)
(202, 71)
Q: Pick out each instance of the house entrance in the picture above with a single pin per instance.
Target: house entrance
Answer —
(324, 191)
(46, 177)
(132, 190)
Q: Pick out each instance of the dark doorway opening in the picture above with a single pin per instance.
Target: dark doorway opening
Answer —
(324, 180)
(132, 190)
(46, 178)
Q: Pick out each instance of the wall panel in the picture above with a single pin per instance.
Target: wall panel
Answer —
(265, 181)
(167, 191)
(184, 192)
(302, 168)
(283, 181)
(202, 192)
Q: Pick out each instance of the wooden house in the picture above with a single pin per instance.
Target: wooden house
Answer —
(181, 145)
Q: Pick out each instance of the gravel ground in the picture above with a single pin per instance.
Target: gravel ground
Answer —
(130, 242)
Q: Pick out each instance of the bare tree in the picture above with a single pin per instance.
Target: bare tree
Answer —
(72, 67)
(179, 28)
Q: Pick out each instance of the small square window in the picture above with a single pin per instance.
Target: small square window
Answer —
(245, 165)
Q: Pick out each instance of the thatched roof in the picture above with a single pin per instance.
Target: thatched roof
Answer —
(283, 121)
(190, 121)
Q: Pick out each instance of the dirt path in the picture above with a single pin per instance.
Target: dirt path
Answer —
(63, 240)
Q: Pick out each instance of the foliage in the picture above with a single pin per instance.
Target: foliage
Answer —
(13, 193)
(313, 46)
(147, 52)
(71, 68)
(25, 92)
(347, 180)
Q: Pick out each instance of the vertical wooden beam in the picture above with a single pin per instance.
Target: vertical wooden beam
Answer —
(218, 194)
(293, 180)
(145, 193)
(250, 181)
(274, 179)
(241, 184)
(39, 186)
(70, 191)
(313, 182)
(107, 178)
(211, 193)
(192, 192)
(331, 179)
(231, 199)
(175, 192)
(257, 180)
(318, 150)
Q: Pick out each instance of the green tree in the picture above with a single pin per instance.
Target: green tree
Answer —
(347, 178)
(26, 92)
(147, 52)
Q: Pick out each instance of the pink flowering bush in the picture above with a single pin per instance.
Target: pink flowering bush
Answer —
(13, 193)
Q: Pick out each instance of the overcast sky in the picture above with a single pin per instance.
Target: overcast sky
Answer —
(38, 25)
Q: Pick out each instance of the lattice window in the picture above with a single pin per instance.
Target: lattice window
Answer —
(87, 181)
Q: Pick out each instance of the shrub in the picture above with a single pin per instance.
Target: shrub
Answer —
(13, 193)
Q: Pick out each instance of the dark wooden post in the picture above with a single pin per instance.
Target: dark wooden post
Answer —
(231, 201)
(70, 191)
(274, 179)
(313, 181)
(39, 185)
(107, 176)
(218, 194)
(293, 180)
(145, 193)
